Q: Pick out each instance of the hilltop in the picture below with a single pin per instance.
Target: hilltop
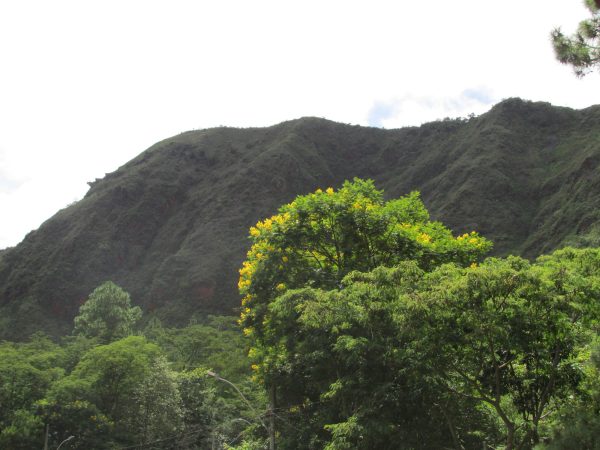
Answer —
(170, 226)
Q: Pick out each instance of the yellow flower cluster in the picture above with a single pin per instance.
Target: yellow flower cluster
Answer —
(244, 314)
(472, 238)
(363, 203)
(244, 283)
(328, 191)
(247, 299)
(248, 269)
(267, 224)
(424, 238)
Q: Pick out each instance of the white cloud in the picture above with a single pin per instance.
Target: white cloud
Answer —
(414, 109)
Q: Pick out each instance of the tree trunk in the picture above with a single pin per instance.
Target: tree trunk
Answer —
(510, 438)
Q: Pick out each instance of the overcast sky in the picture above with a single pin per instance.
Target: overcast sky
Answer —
(87, 85)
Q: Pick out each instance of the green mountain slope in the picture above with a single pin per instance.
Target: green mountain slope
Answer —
(170, 226)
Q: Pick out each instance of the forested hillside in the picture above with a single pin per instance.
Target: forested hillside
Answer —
(365, 325)
(171, 225)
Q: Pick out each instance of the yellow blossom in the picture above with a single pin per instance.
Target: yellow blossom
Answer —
(329, 191)
(243, 283)
(244, 314)
(280, 287)
(424, 237)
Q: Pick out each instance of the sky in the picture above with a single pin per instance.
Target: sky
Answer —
(85, 86)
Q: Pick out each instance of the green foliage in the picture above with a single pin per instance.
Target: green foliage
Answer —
(509, 334)
(126, 393)
(24, 431)
(218, 413)
(350, 374)
(316, 241)
(157, 409)
(378, 359)
(319, 238)
(578, 421)
(217, 344)
(582, 50)
(212, 406)
(27, 370)
(102, 393)
(107, 314)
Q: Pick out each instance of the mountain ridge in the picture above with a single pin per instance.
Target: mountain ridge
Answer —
(170, 225)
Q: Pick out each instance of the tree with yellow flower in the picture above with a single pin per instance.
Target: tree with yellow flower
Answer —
(315, 241)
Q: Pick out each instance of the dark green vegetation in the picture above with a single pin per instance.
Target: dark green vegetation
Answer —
(582, 50)
(432, 351)
(150, 391)
(369, 327)
(107, 314)
(170, 226)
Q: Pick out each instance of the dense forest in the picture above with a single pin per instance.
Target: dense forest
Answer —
(364, 325)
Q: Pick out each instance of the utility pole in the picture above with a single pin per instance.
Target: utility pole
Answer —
(272, 417)
(46, 436)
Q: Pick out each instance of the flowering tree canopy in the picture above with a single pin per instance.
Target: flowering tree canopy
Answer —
(319, 238)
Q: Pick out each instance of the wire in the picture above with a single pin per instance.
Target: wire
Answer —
(172, 438)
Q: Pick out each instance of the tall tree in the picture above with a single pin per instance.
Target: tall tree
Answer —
(355, 377)
(491, 351)
(509, 334)
(107, 314)
(317, 240)
(581, 50)
(27, 370)
(102, 399)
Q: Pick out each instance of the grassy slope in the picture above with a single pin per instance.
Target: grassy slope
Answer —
(170, 225)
